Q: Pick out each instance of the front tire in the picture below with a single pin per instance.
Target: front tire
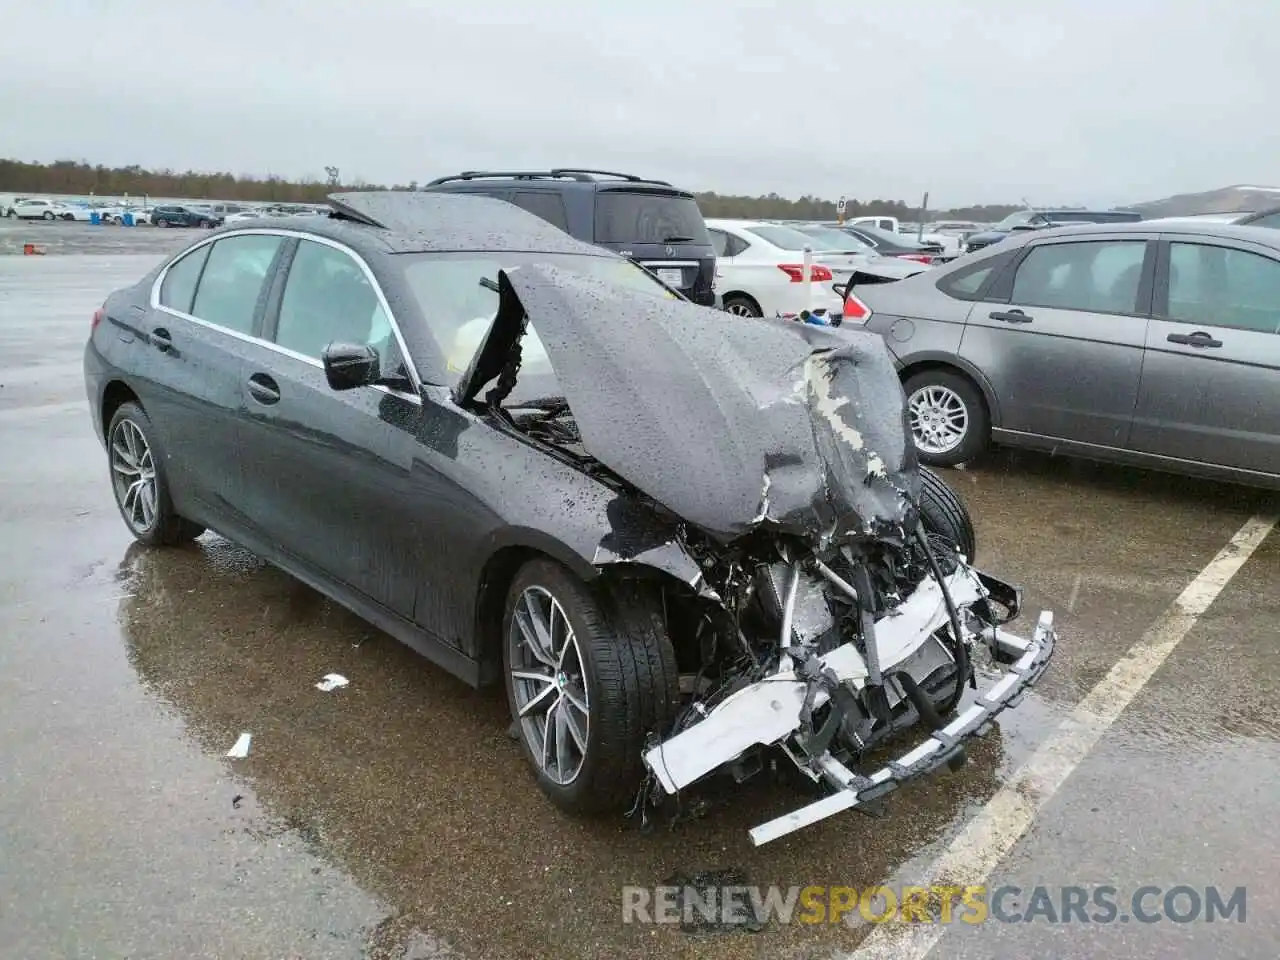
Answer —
(944, 514)
(588, 678)
(48, 215)
(948, 417)
(139, 482)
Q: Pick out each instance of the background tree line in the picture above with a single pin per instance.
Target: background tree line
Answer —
(72, 177)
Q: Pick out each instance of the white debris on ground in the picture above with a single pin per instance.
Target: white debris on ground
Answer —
(241, 748)
(331, 681)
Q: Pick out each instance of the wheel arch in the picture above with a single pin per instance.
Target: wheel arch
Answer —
(950, 363)
(664, 565)
(743, 295)
(115, 395)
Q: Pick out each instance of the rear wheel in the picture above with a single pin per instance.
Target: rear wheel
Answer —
(588, 678)
(949, 422)
(48, 215)
(139, 482)
(740, 305)
(944, 514)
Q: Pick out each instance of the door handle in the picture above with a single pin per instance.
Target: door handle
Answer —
(1197, 339)
(1010, 316)
(264, 389)
(161, 340)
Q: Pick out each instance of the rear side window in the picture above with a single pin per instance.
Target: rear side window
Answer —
(1098, 276)
(643, 217)
(549, 206)
(233, 280)
(179, 285)
(1218, 286)
(966, 284)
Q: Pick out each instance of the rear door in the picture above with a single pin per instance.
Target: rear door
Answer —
(208, 307)
(1211, 380)
(327, 473)
(662, 230)
(1061, 337)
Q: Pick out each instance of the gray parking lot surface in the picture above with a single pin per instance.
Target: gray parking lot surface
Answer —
(394, 817)
(62, 238)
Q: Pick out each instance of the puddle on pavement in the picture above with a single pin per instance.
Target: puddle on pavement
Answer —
(406, 778)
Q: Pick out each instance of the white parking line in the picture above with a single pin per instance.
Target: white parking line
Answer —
(989, 836)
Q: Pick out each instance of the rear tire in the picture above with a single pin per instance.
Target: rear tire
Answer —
(944, 514)
(948, 417)
(741, 305)
(48, 215)
(139, 481)
(619, 665)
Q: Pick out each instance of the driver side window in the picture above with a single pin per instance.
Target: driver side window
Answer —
(328, 298)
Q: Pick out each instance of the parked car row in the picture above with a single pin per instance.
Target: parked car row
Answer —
(163, 215)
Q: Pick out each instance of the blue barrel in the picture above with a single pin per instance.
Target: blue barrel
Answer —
(95, 217)
(128, 219)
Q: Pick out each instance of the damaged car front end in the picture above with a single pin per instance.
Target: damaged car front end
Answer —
(817, 592)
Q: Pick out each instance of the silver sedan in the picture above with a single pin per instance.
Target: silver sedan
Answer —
(1156, 344)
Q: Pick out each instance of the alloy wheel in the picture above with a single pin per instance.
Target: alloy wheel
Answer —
(739, 310)
(939, 419)
(133, 476)
(549, 685)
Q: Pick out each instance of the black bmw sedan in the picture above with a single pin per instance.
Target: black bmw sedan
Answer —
(528, 459)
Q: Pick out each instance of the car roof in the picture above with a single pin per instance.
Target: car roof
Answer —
(1202, 228)
(397, 221)
(730, 222)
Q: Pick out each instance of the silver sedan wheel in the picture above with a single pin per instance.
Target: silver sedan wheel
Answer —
(739, 309)
(549, 685)
(133, 476)
(939, 419)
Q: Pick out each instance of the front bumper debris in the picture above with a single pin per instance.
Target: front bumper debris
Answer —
(769, 711)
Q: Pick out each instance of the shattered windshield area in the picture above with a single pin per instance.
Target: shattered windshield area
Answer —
(457, 294)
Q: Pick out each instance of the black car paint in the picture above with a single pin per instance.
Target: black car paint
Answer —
(183, 217)
(580, 199)
(892, 247)
(730, 427)
(452, 501)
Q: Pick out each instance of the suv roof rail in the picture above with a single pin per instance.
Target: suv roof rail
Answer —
(580, 175)
(512, 175)
(568, 171)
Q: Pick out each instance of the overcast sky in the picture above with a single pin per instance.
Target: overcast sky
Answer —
(1091, 101)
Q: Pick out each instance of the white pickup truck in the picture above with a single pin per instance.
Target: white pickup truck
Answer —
(950, 244)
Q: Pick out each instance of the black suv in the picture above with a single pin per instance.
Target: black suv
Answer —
(1042, 220)
(648, 221)
(175, 216)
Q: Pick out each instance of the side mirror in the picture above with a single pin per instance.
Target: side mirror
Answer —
(350, 365)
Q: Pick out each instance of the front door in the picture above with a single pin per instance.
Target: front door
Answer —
(328, 473)
(1061, 337)
(1211, 380)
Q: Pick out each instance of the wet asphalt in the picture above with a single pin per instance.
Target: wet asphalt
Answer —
(395, 818)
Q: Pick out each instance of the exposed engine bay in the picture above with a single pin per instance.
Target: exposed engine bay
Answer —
(824, 598)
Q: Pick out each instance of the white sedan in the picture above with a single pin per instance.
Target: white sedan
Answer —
(34, 208)
(760, 270)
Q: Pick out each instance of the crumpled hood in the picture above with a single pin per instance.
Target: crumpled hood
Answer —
(729, 423)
